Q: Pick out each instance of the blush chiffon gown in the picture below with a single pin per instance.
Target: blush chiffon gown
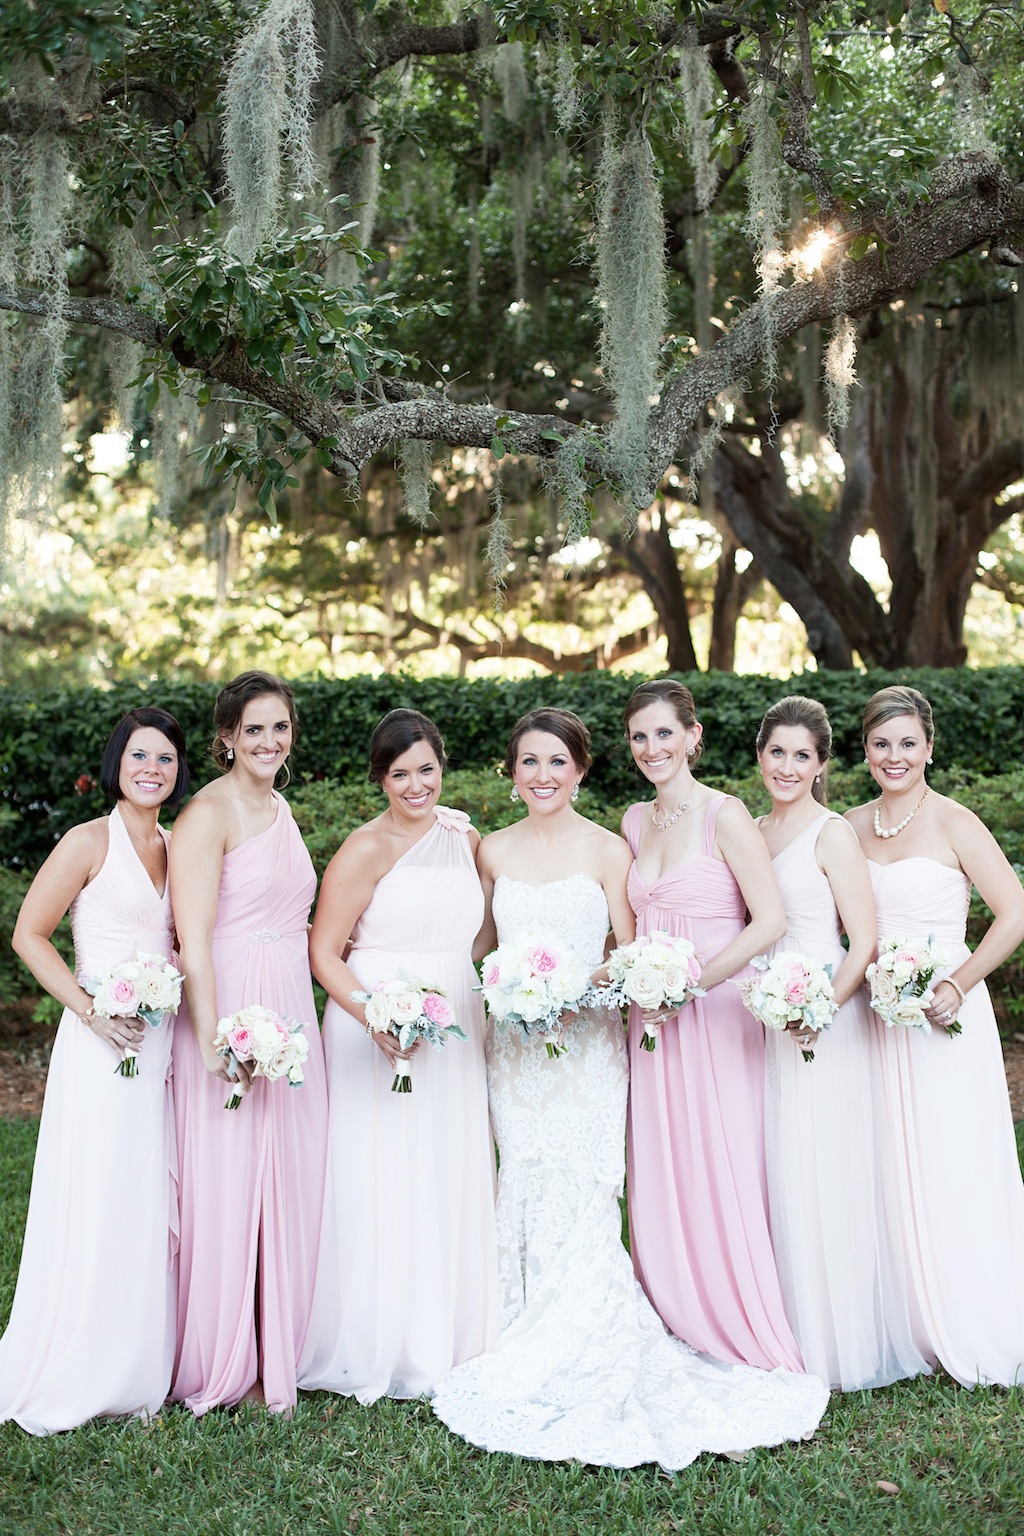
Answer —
(951, 1182)
(406, 1283)
(849, 1316)
(92, 1327)
(251, 1178)
(698, 1198)
(583, 1368)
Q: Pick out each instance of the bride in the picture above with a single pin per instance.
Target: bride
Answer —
(583, 1368)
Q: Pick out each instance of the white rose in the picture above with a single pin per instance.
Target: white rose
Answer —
(884, 991)
(643, 987)
(405, 1007)
(907, 1014)
(378, 1015)
(675, 981)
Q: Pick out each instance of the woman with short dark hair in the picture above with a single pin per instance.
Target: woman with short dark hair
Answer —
(91, 1329)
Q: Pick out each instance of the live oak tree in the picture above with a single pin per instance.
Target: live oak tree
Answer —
(621, 242)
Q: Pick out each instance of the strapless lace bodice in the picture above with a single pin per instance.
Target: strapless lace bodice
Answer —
(572, 910)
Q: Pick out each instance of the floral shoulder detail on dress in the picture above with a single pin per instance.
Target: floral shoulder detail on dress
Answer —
(455, 821)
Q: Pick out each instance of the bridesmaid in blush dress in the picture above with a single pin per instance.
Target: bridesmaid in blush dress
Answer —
(242, 885)
(406, 1283)
(92, 1327)
(951, 1185)
(698, 1200)
(843, 1306)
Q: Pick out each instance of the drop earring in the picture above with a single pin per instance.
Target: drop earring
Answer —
(515, 792)
(231, 754)
(575, 793)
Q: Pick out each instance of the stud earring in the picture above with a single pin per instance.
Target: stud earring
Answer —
(231, 754)
(515, 792)
(690, 751)
(817, 778)
(928, 761)
(865, 762)
(575, 792)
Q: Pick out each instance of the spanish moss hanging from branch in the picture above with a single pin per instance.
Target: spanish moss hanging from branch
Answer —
(414, 469)
(695, 79)
(268, 118)
(765, 211)
(509, 67)
(631, 293)
(498, 542)
(840, 374)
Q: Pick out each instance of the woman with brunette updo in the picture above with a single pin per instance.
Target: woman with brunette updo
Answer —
(406, 1284)
(242, 884)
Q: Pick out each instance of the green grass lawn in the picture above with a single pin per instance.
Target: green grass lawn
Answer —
(955, 1457)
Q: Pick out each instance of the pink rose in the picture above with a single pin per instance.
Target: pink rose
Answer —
(122, 996)
(796, 989)
(240, 1041)
(906, 957)
(542, 961)
(492, 975)
(437, 1010)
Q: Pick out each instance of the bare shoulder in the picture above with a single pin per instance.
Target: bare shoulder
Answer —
(859, 817)
(82, 848)
(208, 810)
(611, 847)
(838, 835)
(960, 825)
(735, 823)
(364, 852)
(492, 846)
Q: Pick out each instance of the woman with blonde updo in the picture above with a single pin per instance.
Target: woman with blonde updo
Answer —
(951, 1184)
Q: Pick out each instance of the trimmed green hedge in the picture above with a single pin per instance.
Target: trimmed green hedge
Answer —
(51, 742)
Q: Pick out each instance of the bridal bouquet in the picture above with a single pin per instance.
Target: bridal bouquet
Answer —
(657, 971)
(270, 1045)
(531, 983)
(411, 1011)
(147, 988)
(900, 982)
(790, 989)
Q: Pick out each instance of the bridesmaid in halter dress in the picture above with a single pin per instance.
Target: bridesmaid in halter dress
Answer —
(406, 1283)
(819, 1119)
(951, 1185)
(698, 1198)
(242, 885)
(92, 1327)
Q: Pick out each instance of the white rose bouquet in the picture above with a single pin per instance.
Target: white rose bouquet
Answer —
(147, 987)
(529, 984)
(900, 983)
(411, 1011)
(271, 1046)
(790, 989)
(657, 971)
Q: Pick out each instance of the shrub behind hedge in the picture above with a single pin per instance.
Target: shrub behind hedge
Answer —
(50, 743)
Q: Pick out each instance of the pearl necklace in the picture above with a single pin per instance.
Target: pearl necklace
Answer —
(669, 821)
(895, 831)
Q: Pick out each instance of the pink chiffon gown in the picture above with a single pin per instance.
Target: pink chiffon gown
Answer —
(698, 1198)
(951, 1183)
(92, 1327)
(251, 1178)
(848, 1315)
(407, 1282)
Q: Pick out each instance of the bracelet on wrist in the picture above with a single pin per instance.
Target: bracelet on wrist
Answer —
(957, 988)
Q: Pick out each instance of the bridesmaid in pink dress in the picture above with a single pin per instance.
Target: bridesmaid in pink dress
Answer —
(92, 1327)
(846, 1312)
(407, 1281)
(698, 1201)
(952, 1193)
(242, 885)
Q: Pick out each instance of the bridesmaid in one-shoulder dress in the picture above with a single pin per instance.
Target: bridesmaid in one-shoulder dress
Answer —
(406, 1281)
(92, 1327)
(847, 1313)
(698, 1199)
(252, 1179)
(951, 1185)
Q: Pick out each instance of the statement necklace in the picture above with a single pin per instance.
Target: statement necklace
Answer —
(669, 821)
(895, 831)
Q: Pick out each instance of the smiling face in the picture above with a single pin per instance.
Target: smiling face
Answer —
(413, 781)
(149, 767)
(789, 763)
(545, 773)
(897, 751)
(262, 739)
(660, 742)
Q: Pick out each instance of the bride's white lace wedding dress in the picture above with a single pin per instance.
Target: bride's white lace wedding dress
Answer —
(584, 1369)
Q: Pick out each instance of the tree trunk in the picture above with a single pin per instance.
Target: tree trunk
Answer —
(648, 551)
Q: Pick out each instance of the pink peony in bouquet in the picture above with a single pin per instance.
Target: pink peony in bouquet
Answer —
(659, 972)
(791, 991)
(147, 987)
(900, 983)
(530, 984)
(271, 1046)
(411, 1011)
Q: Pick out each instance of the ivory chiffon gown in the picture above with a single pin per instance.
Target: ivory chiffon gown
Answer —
(92, 1327)
(583, 1368)
(698, 1197)
(407, 1279)
(251, 1178)
(952, 1191)
(848, 1315)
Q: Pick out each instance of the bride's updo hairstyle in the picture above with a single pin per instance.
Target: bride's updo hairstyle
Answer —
(230, 707)
(665, 690)
(399, 730)
(898, 699)
(796, 710)
(569, 729)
